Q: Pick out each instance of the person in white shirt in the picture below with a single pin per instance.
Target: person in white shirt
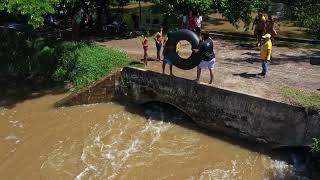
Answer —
(198, 20)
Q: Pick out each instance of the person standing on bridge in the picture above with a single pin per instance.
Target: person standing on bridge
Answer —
(159, 38)
(145, 48)
(208, 57)
(166, 59)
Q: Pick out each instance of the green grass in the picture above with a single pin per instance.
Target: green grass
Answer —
(308, 99)
(83, 63)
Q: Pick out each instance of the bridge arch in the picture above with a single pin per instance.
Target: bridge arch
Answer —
(170, 106)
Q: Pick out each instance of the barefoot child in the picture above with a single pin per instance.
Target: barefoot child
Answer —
(145, 49)
(158, 38)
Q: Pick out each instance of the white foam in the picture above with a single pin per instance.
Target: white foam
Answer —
(11, 137)
(82, 174)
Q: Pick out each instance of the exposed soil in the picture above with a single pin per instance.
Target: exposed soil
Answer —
(238, 65)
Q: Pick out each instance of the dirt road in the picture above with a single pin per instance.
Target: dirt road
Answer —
(238, 65)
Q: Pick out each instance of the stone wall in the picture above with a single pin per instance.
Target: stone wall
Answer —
(101, 91)
(217, 109)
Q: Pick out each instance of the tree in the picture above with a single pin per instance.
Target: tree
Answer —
(33, 9)
(306, 13)
(239, 10)
(177, 7)
(233, 10)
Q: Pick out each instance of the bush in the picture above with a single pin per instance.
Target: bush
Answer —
(22, 54)
(83, 63)
(26, 56)
(315, 147)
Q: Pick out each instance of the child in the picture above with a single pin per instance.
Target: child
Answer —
(166, 59)
(158, 38)
(145, 48)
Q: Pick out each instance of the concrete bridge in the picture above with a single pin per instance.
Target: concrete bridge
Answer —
(217, 109)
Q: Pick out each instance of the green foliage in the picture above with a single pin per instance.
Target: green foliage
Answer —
(233, 10)
(23, 54)
(302, 98)
(315, 146)
(34, 9)
(80, 63)
(84, 63)
(176, 7)
(306, 13)
(239, 10)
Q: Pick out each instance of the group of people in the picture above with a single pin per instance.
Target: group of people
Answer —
(205, 49)
(263, 29)
(262, 26)
(192, 22)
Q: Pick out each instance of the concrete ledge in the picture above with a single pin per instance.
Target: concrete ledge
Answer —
(214, 108)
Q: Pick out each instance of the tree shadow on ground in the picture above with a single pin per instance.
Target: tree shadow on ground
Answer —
(17, 91)
(248, 75)
(254, 58)
(216, 21)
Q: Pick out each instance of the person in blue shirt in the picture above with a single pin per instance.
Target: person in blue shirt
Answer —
(207, 55)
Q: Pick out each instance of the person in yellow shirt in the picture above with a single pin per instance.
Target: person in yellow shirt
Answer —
(266, 50)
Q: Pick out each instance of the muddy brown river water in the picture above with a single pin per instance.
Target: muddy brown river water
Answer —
(105, 141)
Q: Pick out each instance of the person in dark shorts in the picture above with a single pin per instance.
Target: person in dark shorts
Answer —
(259, 26)
(159, 38)
(166, 59)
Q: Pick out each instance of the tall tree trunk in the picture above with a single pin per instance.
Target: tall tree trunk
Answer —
(139, 11)
(101, 12)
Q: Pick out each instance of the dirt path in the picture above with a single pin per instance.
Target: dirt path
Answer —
(238, 64)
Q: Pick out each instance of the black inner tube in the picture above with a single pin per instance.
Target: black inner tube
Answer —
(170, 50)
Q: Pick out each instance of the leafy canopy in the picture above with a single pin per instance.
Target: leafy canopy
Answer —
(233, 10)
(306, 13)
(34, 9)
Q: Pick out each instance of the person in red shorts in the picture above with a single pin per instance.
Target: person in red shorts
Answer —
(145, 48)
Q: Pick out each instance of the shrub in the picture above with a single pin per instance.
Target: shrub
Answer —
(83, 63)
(80, 63)
(315, 147)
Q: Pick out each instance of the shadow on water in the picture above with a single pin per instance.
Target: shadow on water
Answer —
(296, 156)
(14, 91)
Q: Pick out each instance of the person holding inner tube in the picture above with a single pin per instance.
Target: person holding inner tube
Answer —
(207, 55)
(159, 38)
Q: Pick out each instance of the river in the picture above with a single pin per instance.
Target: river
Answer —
(109, 141)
